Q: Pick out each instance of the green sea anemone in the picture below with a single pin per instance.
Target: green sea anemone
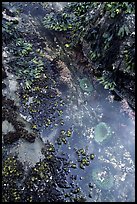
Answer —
(103, 178)
(102, 132)
(86, 85)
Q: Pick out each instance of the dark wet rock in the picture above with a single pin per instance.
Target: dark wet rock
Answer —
(19, 126)
(9, 112)
(6, 114)
(3, 86)
(9, 104)
(116, 96)
(10, 137)
(4, 75)
(8, 109)
(9, 11)
(90, 185)
(30, 137)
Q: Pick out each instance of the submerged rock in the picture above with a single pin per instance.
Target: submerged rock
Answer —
(10, 137)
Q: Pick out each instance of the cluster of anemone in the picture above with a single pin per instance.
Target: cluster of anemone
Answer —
(102, 132)
(85, 85)
(103, 178)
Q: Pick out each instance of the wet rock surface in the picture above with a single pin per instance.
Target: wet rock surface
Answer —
(52, 151)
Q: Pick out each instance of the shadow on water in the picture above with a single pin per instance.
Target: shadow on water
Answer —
(82, 112)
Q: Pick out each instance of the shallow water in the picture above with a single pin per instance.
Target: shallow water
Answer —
(82, 111)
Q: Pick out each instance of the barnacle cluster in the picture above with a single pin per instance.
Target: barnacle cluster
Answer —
(12, 168)
(12, 173)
